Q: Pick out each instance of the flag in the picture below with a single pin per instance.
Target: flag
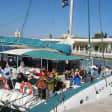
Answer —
(64, 3)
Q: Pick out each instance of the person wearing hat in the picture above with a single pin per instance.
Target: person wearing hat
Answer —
(94, 72)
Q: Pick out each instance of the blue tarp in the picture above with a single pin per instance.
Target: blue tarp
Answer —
(5, 48)
(35, 43)
(44, 54)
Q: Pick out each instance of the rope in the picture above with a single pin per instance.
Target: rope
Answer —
(101, 36)
(26, 18)
(54, 4)
(101, 30)
(75, 15)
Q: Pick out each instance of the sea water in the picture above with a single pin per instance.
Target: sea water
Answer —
(99, 61)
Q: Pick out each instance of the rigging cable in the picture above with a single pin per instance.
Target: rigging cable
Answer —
(101, 30)
(26, 18)
(102, 36)
(75, 14)
(55, 4)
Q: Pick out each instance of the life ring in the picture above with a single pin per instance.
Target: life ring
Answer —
(4, 82)
(27, 84)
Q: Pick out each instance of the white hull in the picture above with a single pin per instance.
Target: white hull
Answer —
(84, 96)
(88, 95)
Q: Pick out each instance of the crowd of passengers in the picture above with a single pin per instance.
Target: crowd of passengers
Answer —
(48, 83)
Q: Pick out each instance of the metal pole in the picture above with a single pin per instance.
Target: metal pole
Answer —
(70, 19)
(47, 65)
(41, 63)
(17, 62)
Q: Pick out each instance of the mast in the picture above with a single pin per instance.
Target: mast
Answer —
(89, 35)
(70, 19)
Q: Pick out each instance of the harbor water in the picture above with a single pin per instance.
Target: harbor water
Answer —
(99, 61)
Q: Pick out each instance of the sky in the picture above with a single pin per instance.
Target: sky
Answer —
(48, 16)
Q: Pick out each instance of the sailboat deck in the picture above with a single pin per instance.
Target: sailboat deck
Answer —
(65, 95)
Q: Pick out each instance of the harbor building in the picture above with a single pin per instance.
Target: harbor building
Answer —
(80, 45)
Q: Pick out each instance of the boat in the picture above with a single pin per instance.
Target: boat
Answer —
(65, 99)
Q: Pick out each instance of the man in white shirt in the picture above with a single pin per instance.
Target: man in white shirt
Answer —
(7, 72)
(21, 68)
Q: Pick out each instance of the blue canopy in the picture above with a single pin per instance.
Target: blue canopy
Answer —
(50, 55)
(35, 43)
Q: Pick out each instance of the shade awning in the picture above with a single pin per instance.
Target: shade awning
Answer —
(17, 52)
(41, 53)
(50, 55)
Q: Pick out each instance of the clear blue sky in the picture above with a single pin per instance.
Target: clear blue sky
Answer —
(47, 16)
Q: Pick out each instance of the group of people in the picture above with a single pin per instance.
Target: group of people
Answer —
(45, 84)
(75, 77)
(6, 71)
(48, 82)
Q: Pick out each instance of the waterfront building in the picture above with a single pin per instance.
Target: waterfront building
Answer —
(80, 46)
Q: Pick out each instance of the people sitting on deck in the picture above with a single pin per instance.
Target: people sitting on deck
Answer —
(7, 73)
(107, 70)
(21, 78)
(12, 62)
(21, 68)
(37, 73)
(99, 70)
(71, 76)
(77, 78)
(88, 78)
(50, 84)
(63, 79)
(77, 72)
(41, 85)
(3, 62)
(94, 72)
(55, 73)
(83, 74)
(36, 70)
(66, 73)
